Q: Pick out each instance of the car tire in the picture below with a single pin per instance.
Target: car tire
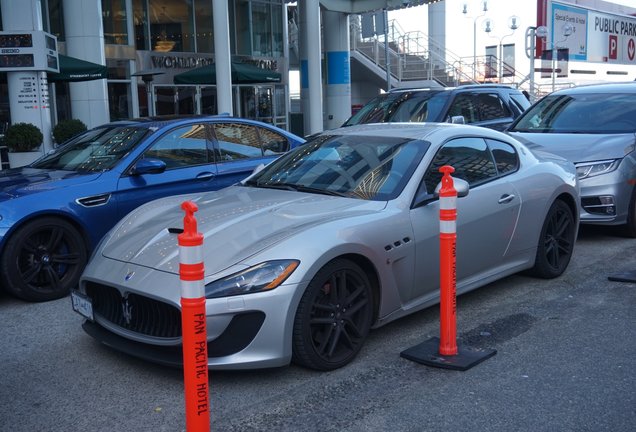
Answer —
(43, 260)
(630, 226)
(556, 242)
(333, 318)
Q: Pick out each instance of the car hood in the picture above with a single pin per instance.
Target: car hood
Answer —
(236, 222)
(18, 182)
(579, 147)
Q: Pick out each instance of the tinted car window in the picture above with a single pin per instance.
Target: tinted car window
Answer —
(464, 105)
(505, 156)
(470, 158)
(181, 147)
(415, 106)
(580, 113)
(491, 107)
(273, 142)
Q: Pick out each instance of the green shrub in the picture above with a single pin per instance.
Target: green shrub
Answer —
(23, 137)
(67, 129)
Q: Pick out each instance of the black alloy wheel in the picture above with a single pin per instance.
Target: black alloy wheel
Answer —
(334, 317)
(43, 260)
(556, 243)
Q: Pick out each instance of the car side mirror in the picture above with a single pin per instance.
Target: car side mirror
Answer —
(148, 166)
(457, 120)
(461, 186)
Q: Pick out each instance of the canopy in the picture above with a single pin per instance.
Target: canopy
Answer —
(74, 69)
(242, 73)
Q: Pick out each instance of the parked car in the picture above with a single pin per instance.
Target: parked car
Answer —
(595, 127)
(489, 105)
(53, 212)
(338, 236)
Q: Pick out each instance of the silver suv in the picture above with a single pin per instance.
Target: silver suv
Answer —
(489, 105)
(593, 126)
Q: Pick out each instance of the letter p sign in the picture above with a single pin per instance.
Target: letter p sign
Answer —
(613, 47)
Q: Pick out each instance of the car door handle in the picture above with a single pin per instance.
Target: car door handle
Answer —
(506, 198)
(205, 175)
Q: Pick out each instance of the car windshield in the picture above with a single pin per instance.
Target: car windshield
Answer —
(95, 150)
(597, 113)
(417, 106)
(365, 167)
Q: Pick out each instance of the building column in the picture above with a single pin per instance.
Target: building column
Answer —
(338, 91)
(28, 91)
(310, 66)
(222, 56)
(85, 40)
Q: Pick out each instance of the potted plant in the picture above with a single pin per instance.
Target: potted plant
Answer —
(67, 129)
(23, 141)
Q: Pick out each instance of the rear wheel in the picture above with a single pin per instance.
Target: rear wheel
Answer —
(43, 260)
(334, 317)
(556, 242)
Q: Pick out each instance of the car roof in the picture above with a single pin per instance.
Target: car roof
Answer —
(622, 87)
(468, 87)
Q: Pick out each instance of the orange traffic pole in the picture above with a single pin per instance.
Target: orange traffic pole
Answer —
(193, 323)
(447, 263)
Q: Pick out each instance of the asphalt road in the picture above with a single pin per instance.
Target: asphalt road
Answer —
(565, 362)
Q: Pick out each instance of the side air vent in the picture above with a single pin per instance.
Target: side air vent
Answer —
(93, 201)
(397, 244)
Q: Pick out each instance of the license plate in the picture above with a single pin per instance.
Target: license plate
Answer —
(82, 305)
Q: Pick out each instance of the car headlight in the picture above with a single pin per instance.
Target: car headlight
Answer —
(591, 169)
(261, 277)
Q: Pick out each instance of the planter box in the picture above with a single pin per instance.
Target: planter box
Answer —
(19, 159)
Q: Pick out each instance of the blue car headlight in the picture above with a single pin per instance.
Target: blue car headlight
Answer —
(592, 169)
(261, 277)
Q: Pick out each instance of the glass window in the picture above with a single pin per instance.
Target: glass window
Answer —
(119, 101)
(596, 113)
(470, 158)
(464, 105)
(114, 21)
(505, 156)
(237, 141)
(140, 16)
(261, 29)
(182, 147)
(171, 25)
(273, 142)
(56, 19)
(205, 27)
(242, 28)
(491, 107)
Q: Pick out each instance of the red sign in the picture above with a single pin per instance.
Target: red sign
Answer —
(613, 47)
(631, 49)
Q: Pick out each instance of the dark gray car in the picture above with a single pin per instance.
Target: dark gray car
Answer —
(489, 105)
(593, 126)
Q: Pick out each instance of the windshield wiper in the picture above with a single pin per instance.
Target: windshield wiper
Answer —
(295, 187)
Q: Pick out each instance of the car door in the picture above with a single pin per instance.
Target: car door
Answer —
(241, 147)
(486, 217)
(190, 167)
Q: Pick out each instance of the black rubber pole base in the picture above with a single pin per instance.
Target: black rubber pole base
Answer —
(427, 353)
(623, 277)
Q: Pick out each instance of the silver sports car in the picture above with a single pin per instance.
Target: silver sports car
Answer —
(337, 237)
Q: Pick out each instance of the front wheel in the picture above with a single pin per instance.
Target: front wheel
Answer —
(43, 260)
(630, 226)
(334, 317)
(556, 242)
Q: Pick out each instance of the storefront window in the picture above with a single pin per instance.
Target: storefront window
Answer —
(205, 29)
(242, 28)
(171, 25)
(114, 21)
(261, 29)
(119, 101)
(56, 19)
(140, 16)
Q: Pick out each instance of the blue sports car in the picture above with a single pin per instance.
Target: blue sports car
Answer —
(54, 211)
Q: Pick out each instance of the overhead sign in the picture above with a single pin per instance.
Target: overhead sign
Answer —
(591, 35)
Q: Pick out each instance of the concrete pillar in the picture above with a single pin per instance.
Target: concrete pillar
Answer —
(222, 56)
(85, 40)
(437, 33)
(28, 91)
(310, 66)
(338, 91)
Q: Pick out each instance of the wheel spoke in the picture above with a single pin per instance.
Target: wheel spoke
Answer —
(334, 341)
(321, 321)
(68, 258)
(52, 277)
(31, 272)
(56, 236)
(326, 337)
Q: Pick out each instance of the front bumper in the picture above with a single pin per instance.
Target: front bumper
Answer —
(605, 198)
(141, 317)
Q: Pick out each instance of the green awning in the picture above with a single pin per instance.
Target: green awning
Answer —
(242, 73)
(73, 69)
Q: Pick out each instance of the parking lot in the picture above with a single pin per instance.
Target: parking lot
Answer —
(565, 362)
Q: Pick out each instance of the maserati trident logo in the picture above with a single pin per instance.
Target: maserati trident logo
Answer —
(126, 309)
(129, 275)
